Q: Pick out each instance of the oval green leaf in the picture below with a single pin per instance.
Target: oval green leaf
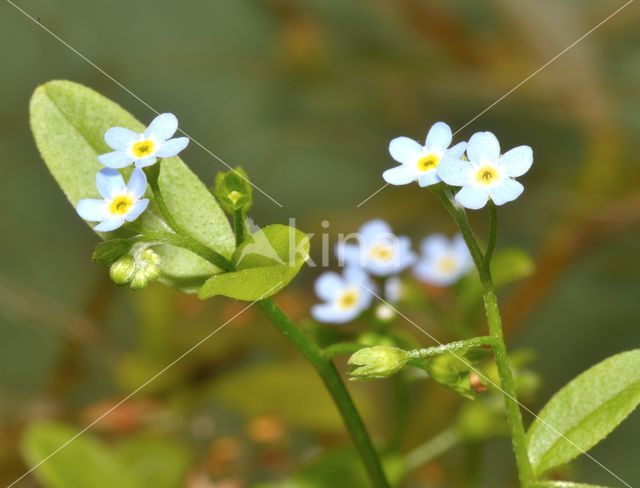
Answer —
(265, 263)
(585, 411)
(84, 461)
(68, 122)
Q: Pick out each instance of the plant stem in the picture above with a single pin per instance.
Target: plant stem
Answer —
(432, 448)
(342, 348)
(428, 352)
(238, 226)
(507, 384)
(336, 387)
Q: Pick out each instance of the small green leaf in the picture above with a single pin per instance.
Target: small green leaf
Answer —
(68, 122)
(108, 252)
(265, 263)
(84, 461)
(562, 484)
(585, 411)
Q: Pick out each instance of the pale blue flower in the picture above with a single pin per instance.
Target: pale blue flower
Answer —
(442, 261)
(486, 174)
(143, 149)
(420, 163)
(121, 202)
(345, 296)
(393, 289)
(377, 250)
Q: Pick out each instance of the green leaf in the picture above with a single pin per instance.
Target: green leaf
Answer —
(68, 122)
(585, 411)
(265, 263)
(155, 462)
(562, 484)
(108, 252)
(84, 461)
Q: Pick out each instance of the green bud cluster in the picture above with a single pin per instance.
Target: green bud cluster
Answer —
(233, 190)
(377, 362)
(137, 268)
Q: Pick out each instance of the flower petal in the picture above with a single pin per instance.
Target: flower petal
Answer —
(137, 185)
(328, 285)
(434, 246)
(472, 197)
(429, 272)
(456, 151)
(483, 147)
(429, 178)
(405, 150)
(332, 315)
(120, 138)
(92, 210)
(110, 183)
(506, 191)
(144, 162)
(517, 161)
(172, 147)
(116, 159)
(138, 207)
(354, 275)
(455, 172)
(374, 230)
(349, 254)
(400, 175)
(109, 224)
(439, 137)
(162, 127)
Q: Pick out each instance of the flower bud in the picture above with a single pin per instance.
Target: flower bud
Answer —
(147, 268)
(233, 190)
(122, 270)
(377, 362)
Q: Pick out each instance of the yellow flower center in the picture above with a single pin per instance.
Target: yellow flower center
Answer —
(447, 264)
(142, 149)
(428, 162)
(121, 205)
(486, 175)
(348, 299)
(381, 252)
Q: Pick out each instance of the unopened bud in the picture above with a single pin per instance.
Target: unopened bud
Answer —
(377, 362)
(147, 269)
(123, 270)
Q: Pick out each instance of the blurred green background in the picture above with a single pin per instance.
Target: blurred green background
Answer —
(305, 95)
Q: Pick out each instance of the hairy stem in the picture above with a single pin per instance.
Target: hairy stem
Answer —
(336, 387)
(238, 226)
(482, 263)
(428, 352)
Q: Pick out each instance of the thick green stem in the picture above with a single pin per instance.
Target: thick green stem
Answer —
(507, 384)
(428, 352)
(336, 387)
(238, 226)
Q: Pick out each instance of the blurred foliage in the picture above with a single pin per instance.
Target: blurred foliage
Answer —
(305, 96)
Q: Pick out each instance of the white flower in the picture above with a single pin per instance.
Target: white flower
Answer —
(421, 162)
(393, 289)
(487, 174)
(122, 203)
(345, 296)
(442, 261)
(143, 149)
(379, 251)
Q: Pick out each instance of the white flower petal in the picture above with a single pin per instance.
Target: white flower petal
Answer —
(428, 272)
(162, 127)
(517, 161)
(483, 147)
(109, 224)
(110, 183)
(506, 191)
(92, 210)
(405, 150)
(138, 207)
(172, 147)
(328, 285)
(375, 229)
(400, 175)
(393, 289)
(354, 275)
(144, 162)
(439, 137)
(472, 197)
(116, 159)
(333, 315)
(429, 178)
(120, 138)
(137, 185)
(350, 254)
(434, 245)
(455, 172)
(456, 151)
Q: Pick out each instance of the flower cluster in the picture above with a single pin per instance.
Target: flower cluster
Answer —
(123, 202)
(379, 254)
(477, 166)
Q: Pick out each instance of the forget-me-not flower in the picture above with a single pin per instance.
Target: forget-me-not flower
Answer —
(378, 250)
(121, 202)
(487, 174)
(345, 297)
(143, 149)
(442, 261)
(421, 162)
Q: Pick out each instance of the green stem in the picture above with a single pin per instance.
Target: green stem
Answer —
(431, 449)
(494, 322)
(428, 352)
(238, 226)
(342, 348)
(493, 235)
(336, 387)
(184, 238)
